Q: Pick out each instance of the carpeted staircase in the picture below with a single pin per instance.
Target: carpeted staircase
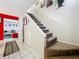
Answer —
(50, 39)
(54, 49)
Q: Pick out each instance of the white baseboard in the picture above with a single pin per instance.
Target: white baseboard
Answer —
(69, 43)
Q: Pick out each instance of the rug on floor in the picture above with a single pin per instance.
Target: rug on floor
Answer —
(10, 48)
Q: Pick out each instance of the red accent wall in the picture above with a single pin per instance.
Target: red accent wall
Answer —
(9, 16)
(2, 30)
(2, 24)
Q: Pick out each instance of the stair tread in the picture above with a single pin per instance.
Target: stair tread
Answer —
(51, 38)
(63, 57)
(62, 46)
(48, 33)
(41, 26)
(46, 29)
(38, 22)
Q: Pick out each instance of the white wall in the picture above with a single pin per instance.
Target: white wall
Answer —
(63, 22)
(15, 7)
(34, 38)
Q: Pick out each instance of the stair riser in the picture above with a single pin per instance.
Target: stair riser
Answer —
(45, 31)
(63, 53)
(43, 27)
(49, 35)
(51, 42)
(38, 22)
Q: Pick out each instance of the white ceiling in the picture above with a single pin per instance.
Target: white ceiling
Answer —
(15, 7)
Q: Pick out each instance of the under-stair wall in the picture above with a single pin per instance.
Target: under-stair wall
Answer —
(34, 38)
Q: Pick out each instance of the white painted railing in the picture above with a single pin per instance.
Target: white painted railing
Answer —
(35, 38)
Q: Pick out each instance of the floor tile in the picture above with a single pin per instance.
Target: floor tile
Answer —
(29, 56)
(24, 52)
(4, 57)
(15, 56)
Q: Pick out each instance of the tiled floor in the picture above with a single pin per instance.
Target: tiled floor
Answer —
(24, 53)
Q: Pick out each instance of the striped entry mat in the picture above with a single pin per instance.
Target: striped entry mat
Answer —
(10, 48)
